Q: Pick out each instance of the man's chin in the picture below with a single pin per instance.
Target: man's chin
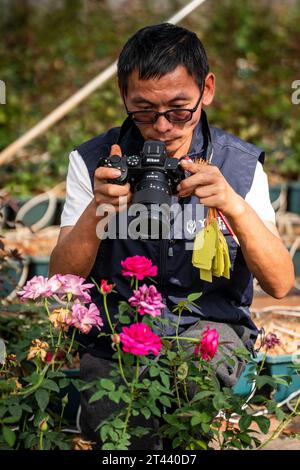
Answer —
(172, 147)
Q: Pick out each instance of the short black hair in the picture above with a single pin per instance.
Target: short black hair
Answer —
(157, 50)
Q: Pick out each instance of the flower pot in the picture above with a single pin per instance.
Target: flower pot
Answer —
(39, 211)
(296, 261)
(244, 387)
(14, 277)
(274, 192)
(38, 266)
(71, 409)
(294, 197)
(59, 209)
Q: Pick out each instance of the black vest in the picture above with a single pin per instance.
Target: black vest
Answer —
(222, 300)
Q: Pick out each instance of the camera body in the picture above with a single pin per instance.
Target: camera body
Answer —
(152, 175)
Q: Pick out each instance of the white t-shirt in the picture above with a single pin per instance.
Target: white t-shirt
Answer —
(79, 192)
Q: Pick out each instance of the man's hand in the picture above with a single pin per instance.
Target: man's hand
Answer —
(108, 193)
(210, 186)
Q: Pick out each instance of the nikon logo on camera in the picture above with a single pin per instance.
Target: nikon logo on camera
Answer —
(2, 92)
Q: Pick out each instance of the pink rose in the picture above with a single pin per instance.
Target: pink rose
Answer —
(208, 344)
(72, 284)
(139, 339)
(138, 266)
(38, 286)
(147, 300)
(85, 318)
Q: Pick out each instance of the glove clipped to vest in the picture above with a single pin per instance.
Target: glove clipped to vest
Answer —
(210, 252)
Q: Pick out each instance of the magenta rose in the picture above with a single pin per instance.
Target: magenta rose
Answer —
(139, 339)
(208, 344)
(138, 266)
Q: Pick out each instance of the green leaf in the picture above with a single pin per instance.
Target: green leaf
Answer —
(176, 442)
(171, 355)
(63, 445)
(107, 384)
(146, 412)
(139, 431)
(280, 415)
(165, 401)
(114, 436)
(10, 419)
(123, 307)
(236, 443)
(245, 438)
(54, 375)
(154, 371)
(263, 380)
(9, 436)
(165, 379)
(196, 420)
(203, 394)
(194, 296)
(50, 385)
(281, 381)
(126, 397)
(154, 409)
(33, 378)
(30, 440)
(245, 422)
(15, 411)
(26, 407)
(118, 423)
(63, 383)
(115, 396)
(104, 432)
(109, 446)
(205, 427)
(263, 423)
(97, 396)
(42, 398)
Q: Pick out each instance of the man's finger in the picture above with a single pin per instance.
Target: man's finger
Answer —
(106, 173)
(194, 167)
(115, 150)
(198, 178)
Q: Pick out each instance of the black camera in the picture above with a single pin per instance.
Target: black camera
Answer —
(153, 176)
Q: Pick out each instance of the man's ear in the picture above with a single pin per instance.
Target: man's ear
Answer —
(209, 89)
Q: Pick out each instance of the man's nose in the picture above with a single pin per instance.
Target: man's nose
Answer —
(162, 124)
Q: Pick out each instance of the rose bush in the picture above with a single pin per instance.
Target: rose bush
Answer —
(170, 378)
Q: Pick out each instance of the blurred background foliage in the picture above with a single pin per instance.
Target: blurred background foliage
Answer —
(51, 48)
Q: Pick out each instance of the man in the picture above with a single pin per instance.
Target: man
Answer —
(165, 82)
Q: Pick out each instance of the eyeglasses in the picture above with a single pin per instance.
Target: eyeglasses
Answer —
(172, 115)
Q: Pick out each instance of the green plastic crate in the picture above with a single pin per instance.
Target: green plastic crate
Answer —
(274, 366)
(281, 365)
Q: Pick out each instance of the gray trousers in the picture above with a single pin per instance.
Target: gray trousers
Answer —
(92, 367)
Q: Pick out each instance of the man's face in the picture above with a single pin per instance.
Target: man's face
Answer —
(174, 90)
